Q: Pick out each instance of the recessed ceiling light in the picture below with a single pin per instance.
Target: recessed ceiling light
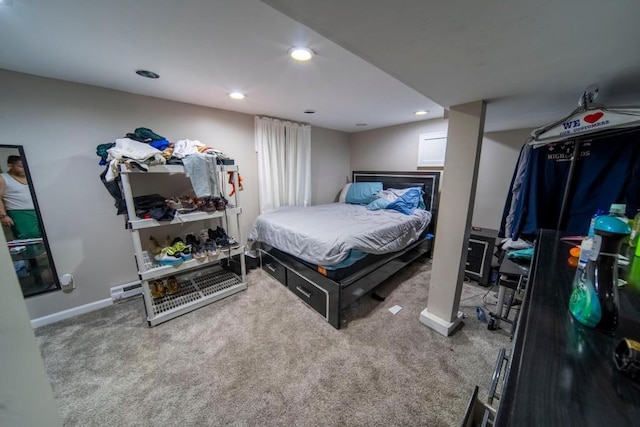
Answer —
(309, 111)
(237, 95)
(148, 74)
(301, 53)
(362, 124)
(421, 113)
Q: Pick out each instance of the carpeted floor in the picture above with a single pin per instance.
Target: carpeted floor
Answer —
(263, 358)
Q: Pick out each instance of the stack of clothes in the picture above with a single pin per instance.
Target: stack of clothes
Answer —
(144, 148)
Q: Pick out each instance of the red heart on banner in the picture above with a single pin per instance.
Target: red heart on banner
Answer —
(592, 118)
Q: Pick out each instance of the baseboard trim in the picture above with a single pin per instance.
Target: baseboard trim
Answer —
(439, 325)
(65, 314)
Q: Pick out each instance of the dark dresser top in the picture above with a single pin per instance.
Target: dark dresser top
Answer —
(562, 373)
(484, 232)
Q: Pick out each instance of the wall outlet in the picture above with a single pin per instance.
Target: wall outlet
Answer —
(67, 283)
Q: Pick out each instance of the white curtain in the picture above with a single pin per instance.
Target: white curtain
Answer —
(284, 163)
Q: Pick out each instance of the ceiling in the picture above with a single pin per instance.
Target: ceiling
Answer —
(376, 61)
(203, 50)
(531, 60)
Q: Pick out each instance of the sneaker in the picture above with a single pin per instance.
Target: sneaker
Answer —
(168, 256)
(181, 249)
(197, 250)
(222, 239)
(212, 249)
(219, 236)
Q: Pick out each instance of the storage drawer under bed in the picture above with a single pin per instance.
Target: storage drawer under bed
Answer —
(313, 295)
(274, 268)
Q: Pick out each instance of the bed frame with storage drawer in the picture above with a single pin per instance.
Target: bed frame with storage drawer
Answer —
(331, 297)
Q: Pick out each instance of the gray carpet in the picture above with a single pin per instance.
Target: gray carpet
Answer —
(263, 358)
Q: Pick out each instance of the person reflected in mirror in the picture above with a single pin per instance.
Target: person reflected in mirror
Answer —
(16, 205)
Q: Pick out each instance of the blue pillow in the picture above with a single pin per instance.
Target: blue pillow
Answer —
(408, 202)
(380, 203)
(363, 193)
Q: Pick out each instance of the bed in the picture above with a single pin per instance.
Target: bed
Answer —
(332, 255)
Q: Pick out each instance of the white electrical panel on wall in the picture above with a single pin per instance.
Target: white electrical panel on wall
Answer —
(432, 148)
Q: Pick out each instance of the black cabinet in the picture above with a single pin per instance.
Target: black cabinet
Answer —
(479, 253)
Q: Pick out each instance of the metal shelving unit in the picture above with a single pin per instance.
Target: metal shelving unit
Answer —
(202, 281)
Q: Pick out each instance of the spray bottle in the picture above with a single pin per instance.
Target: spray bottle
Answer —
(594, 300)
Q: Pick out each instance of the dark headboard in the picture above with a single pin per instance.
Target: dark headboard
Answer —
(429, 180)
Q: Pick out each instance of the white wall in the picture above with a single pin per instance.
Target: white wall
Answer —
(330, 165)
(500, 152)
(395, 148)
(61, 123)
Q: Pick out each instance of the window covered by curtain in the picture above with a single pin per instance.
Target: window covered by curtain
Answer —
(284, 163)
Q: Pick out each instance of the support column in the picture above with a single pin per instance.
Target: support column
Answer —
(464, 142)
(26, 397)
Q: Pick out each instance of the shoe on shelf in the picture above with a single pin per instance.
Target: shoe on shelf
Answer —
(157, 288)
(219, 235)
(181, 249)
(220, 203)
(212, 249)
(182, 204)
(154, 246)
(168, 256)
(187, 202)
(197, 249)
(173, 286)
(206, 205)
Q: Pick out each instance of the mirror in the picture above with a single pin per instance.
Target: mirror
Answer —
(22, 225)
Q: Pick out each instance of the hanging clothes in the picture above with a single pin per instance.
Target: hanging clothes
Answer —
(201, 170)
(515, 190)
(607, 171)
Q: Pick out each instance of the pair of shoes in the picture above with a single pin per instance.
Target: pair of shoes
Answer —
(173, 286)
(197, 249)
(222, 239)
(157, 289)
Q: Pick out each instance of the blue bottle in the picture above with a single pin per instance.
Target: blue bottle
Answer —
(592, 224)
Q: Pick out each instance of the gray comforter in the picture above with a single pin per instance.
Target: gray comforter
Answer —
(325, 234)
